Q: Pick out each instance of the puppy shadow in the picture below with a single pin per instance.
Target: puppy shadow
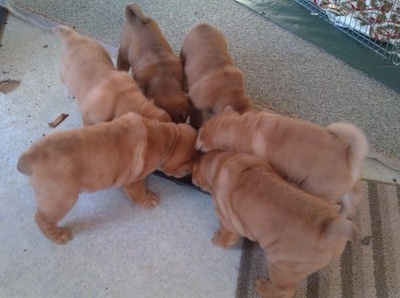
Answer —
(87, 224)
(100, 213)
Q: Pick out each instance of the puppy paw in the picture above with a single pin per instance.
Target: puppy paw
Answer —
(261, 283)
(62, 236)
(218, 240)
(261, 286)
(266, 289)
(51, 230)
(225, 239)
(151, 200)
(58, 235)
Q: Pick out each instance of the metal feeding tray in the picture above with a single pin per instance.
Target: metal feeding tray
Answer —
(374, 23)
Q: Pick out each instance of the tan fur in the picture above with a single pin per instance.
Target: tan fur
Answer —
(122, 152)
(212, 79)
(323, 161)
(299, 232)
(155, 67)
(103, 93)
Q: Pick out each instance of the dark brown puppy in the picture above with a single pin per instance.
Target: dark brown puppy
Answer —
(122, 152)
(103, 93)
(323, 161)
(154, 66)
(299, 232)
(213, 81)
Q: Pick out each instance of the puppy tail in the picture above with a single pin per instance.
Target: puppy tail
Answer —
(134, 13)
(65, 33)
(342, 227)
(24, 164)
(358, 144)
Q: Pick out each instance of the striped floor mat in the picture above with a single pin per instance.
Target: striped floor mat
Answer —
(368, 268)
(3, 14)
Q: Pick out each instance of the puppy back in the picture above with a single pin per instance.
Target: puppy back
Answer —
(133, 13)
(65, 34)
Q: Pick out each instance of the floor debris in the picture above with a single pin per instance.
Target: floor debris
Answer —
(8, 86)
(58, 120)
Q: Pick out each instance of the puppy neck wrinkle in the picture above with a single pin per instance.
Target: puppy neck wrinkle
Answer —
(165, 138)
(228, 130)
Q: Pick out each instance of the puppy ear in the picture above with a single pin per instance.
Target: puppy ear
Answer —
(342, 227)
(198, 144)
(133, 12)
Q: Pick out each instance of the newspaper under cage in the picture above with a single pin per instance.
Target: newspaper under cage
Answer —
(374, 23)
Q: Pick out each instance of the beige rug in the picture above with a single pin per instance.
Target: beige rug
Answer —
(367, 268)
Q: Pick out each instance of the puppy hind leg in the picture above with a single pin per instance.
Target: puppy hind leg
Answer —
(138, 193)
(49, 214)
(278, 284)
(224, 237)
(50, 229)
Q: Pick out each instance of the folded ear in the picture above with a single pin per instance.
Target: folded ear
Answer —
(342, 227)
(198, 144)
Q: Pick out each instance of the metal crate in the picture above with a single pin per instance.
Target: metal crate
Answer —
(374, 23)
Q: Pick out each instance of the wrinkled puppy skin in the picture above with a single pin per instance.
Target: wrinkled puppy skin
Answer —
(120, 153)
(323, 161)
(299, 232)
(103, 93)
(155, 67)
(212, 80)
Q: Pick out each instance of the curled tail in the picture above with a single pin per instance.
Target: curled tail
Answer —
(358, 144)
(134, 13)
(24, 164)
(342, 227)
(65, 33)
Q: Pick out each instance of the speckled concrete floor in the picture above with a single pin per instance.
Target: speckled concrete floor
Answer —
(119, 249)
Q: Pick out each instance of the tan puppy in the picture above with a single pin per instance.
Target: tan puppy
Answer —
(212, 79)
(103, 93)
(154, 66)
(323, 161)
(299, 232)
(122, 152)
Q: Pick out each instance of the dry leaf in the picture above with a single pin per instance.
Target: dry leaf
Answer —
(9, 86)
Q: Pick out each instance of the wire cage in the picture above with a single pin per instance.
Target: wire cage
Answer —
(374, 23)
